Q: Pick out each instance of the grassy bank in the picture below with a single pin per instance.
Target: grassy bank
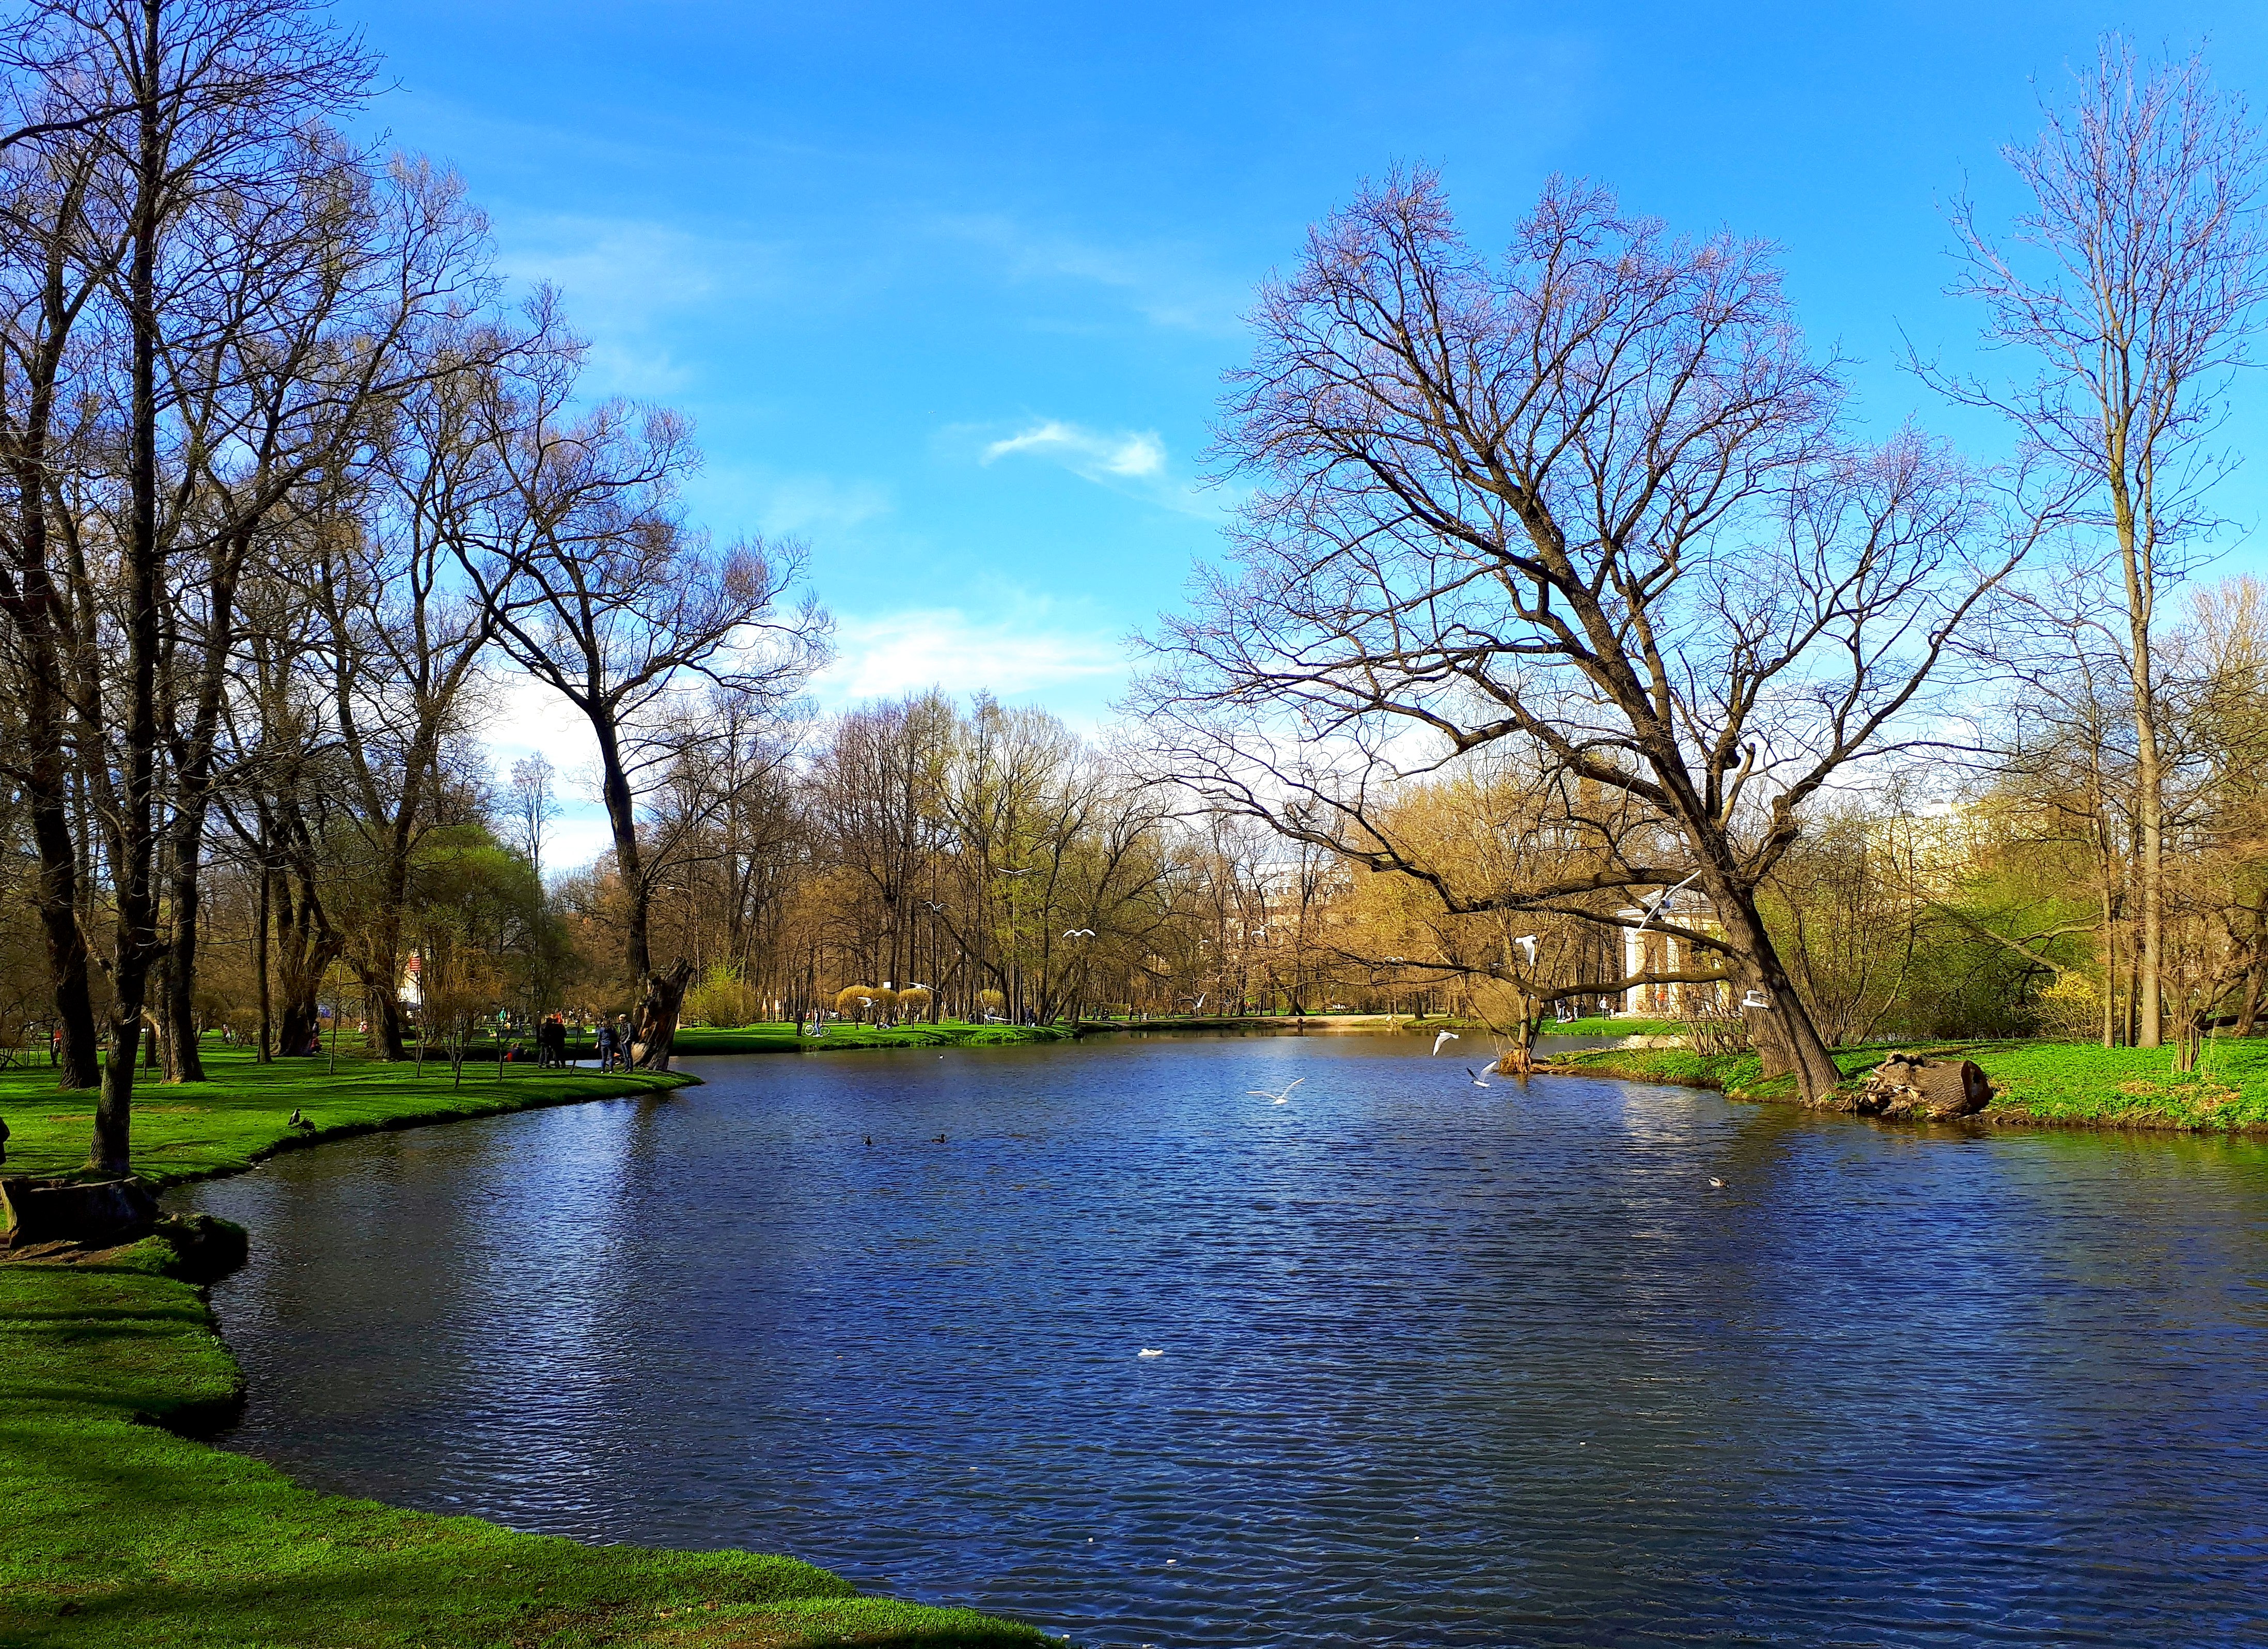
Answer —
(195, 1130)
(2035, 1083)
(124, 1533)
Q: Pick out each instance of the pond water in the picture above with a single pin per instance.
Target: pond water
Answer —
(1438, 1365)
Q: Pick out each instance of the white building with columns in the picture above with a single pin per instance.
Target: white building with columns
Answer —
(1648, 949)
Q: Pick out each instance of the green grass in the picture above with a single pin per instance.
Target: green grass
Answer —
(197, 1128)
(1598, 1026)
(124, 1533)
(2076, 1083)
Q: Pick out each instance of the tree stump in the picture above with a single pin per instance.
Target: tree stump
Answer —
(1932, 1090)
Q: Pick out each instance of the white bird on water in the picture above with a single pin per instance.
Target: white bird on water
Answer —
(1479, 1081)
(1446, 1036)
(1262, 1094)
(1716, 1184)
(1147, 1352)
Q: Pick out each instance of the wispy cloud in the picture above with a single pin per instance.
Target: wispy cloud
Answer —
(1136, 454)
(1166, 284)
(882, 655)
(1136, 462)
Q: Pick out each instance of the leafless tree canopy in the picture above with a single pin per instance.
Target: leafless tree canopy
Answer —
(1592, 498)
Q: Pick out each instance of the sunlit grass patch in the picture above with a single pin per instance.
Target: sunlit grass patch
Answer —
(2078, 1083)
(188, 1129)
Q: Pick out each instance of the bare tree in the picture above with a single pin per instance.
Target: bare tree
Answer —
(211, 97)
(55, 261)
(2132, 276)
(598, 588)
(533, 801)
(1595, 501)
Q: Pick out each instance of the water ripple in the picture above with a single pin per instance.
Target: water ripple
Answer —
(1438, 1367)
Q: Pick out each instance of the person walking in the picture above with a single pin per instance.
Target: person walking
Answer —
(606, 1045)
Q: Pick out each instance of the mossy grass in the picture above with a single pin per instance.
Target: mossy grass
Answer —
(126, 1533)
(2035, 1082)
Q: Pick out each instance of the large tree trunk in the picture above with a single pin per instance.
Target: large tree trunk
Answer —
(183, 1063)
(385, 1015)
(654, 1021)
(260, 953)
(58, 902)
(306, 947)
(135, 948)
(1785, 1038)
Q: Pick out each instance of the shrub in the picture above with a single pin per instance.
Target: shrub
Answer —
(722, 999)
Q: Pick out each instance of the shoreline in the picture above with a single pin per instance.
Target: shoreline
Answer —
(131, 1527)
(1737, 1077)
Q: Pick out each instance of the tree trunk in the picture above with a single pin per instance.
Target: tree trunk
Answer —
(184, 1062)
(260, 953)
(654, 1021)
(58, 902)
(2150, 816)
(386, 1017)
(1786, 1040)
(135, 947)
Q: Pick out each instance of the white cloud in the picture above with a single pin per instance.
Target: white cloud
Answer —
(523, 719)
(887, 654)
(1136, 454)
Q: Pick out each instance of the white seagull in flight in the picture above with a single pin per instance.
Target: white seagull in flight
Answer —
(1527, 942)
(1446, 1036)
(1262, 1094)
(1478, 1080)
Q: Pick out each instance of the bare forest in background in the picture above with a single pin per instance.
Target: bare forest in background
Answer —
(1566, 577)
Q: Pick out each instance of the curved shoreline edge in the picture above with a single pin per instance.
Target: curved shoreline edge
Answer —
(2036, 1086)
(127, 1529)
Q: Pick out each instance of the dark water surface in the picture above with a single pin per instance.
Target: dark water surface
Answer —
(1440, 1365)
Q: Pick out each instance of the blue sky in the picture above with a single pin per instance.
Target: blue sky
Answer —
(949, 289)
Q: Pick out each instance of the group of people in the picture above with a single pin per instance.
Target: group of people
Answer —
(613, 1044)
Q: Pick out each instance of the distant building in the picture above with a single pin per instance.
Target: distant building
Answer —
(1647, 949)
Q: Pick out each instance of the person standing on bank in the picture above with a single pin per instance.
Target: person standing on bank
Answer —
(606, 1045)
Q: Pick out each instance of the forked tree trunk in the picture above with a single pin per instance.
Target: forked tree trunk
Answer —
(654, 1021)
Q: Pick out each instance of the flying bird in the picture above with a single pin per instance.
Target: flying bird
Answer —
(1262, 1094)
(1755, 999)
(1079, 933)
(1446, 1036)
(1479, 1081)
(1527, 942)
